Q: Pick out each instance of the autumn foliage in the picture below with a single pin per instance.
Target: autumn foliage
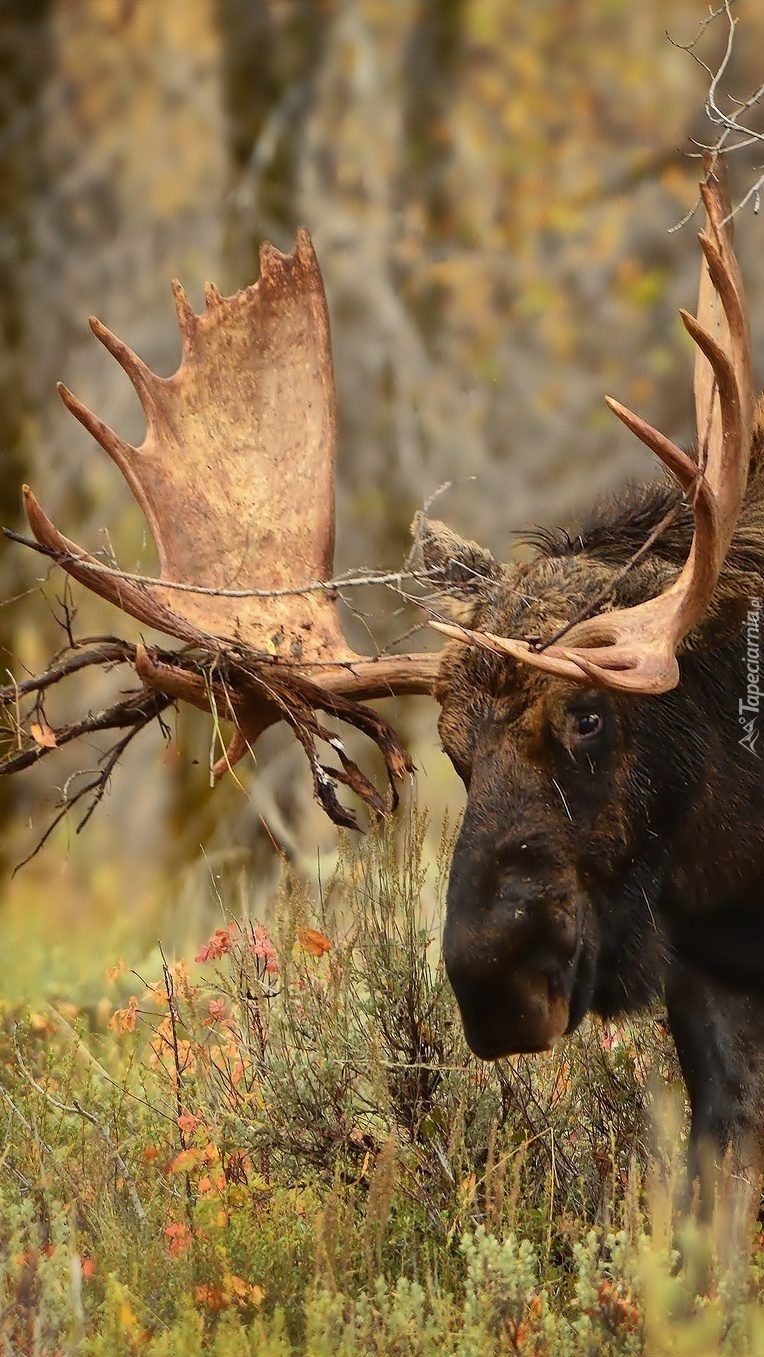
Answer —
(286, 1142)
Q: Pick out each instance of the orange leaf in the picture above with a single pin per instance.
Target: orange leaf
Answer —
(313, 942)
(218, 945)
(43, 735)
(187, 1123)
(185, 1160)
(178, 1239)
(244, 1293)
(212, 1296)
(124, 1018)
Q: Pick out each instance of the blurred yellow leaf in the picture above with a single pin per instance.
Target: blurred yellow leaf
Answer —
(126, 1316)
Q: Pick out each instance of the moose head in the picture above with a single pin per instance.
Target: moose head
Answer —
(589, 697)
(586, 765)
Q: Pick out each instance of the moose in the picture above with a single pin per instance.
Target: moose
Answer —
(599, 701)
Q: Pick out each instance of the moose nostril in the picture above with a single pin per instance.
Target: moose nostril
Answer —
(522, 857)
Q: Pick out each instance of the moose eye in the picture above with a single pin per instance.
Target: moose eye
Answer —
(583, 726)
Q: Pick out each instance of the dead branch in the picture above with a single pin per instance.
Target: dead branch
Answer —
(97, 786)
(735, 131)
(229, 685)
(108, 651)
(351, 579)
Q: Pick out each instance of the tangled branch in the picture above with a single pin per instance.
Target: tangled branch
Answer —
(735, 131)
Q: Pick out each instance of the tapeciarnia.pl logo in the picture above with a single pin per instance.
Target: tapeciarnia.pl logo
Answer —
(750, 705)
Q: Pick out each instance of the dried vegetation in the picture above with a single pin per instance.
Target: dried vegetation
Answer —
(283, 1146)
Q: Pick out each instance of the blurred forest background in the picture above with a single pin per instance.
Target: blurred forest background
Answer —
(490, 186)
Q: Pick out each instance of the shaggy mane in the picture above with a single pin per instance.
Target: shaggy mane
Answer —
(617, 526)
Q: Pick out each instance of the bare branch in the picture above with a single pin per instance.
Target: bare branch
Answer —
(352, 579)
(108, 651)
(96, 788)
(734, 134)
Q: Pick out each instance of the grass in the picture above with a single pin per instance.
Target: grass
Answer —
(282, 1145)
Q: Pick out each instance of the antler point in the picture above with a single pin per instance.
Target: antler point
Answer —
(184, 310)
(303, 243)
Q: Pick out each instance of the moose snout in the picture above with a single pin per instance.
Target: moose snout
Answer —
(507, 1014)
(505, 1009)
(511, 957)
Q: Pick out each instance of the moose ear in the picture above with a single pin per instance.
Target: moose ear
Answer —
(737, 594)
(460, 571)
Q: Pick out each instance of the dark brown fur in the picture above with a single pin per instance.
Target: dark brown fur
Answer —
(612, 847)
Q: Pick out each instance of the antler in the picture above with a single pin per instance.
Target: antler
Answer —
(236, 479)
(634, 649)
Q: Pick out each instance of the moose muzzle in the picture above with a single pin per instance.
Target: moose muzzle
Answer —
(511, 947)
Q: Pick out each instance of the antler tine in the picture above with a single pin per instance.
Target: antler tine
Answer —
(127, 595)
(132, 598)
(186, 315)
(120, 451)
(732, 326)
(635, 649)
(110, 441)
(143, 379)
(678, 462)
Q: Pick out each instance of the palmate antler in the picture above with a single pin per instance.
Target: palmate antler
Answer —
(635, 649)
(236, 479)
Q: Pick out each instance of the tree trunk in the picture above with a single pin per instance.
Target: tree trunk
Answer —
(271, 58)
(25, 58)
